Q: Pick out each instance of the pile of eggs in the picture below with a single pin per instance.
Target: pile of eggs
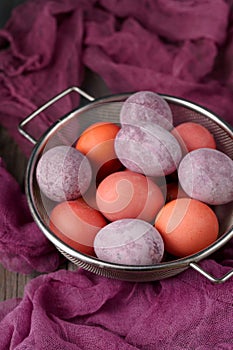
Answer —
(140, 191)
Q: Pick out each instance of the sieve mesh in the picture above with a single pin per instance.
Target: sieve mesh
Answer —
(67, 130)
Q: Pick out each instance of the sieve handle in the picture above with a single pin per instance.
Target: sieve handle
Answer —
(46, 105)
(209, 276)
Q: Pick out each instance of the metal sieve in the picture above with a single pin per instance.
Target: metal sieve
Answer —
(68, 128)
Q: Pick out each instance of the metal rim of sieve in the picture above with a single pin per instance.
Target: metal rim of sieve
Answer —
(126, 272)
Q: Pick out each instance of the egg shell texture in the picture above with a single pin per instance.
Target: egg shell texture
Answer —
(207, 175)
(193, 136)
(148, 149)
(187, 226)
(77, 224)
(63, 173)
(127, 194)
(146, 106)
(96, 134)
(129, 242)
(97, 143)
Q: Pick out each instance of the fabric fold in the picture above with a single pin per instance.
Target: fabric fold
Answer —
(23, 247)
(177, 20)
(80, 310)
(180, 48)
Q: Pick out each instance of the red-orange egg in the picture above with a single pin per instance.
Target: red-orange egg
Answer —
(126, 194)
(77, 224)
(97, 143)
(193, 136)
(186, 226)
(174, 191)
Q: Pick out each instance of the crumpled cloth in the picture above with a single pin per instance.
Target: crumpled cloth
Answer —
(81, 311)
(183, 48)
(23, 246)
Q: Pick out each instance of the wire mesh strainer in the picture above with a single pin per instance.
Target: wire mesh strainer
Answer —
(66, 131)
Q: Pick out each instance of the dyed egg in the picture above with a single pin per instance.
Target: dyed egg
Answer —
(97, 143)
(129, 242)
(187, 226)
(76, 224)
(148, 149)
(173, 190)
(63, 173)
(146, 106)
(192, 136)
(207, 175)
(126, 194)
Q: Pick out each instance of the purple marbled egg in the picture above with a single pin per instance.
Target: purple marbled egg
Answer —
(146, 106)
(129, 242)
(63, 173)
(148, 149)
(207, 175)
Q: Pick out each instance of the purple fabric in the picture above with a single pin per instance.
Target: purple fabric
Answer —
(23, 246)
(80, 311)
(181, 47)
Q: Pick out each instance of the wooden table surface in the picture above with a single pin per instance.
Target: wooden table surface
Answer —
(12, 284)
